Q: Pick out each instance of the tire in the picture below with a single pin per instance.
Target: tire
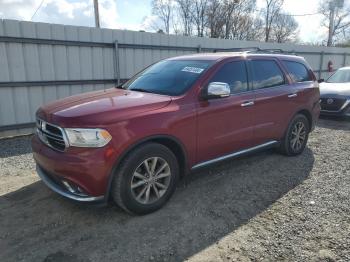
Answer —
(290, 143)
(137, 177)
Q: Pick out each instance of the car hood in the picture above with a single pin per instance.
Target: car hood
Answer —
(100, 107)
(336, 89)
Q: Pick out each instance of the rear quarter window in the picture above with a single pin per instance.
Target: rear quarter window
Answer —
(297, 71)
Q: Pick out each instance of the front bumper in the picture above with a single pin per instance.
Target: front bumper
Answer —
(63, 190)
(80, 174)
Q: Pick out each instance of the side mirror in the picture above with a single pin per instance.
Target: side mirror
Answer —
(320, 80)
(217, 90)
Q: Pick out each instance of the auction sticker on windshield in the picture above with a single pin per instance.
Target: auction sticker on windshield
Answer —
(191, 69)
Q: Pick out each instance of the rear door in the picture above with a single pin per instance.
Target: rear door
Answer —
(275, 99)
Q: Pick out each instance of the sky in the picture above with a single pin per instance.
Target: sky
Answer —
(136, 14)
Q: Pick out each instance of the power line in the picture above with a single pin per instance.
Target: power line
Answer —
(287, 14)
(300, 14)
(42, 1)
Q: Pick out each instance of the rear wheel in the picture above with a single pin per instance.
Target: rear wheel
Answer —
(296, 137)
(146, 179)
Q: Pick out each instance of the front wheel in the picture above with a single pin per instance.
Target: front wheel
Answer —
(146, 179)
(296, 137)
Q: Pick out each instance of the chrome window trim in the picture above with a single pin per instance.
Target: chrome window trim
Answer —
(252, 91)
(272, 87)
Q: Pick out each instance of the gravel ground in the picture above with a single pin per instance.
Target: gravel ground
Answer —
(265, 207)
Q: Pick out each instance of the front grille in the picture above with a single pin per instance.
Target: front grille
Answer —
(332, 104)
(51, 135)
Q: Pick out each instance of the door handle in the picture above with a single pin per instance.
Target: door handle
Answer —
(293, 95)
(249, 103)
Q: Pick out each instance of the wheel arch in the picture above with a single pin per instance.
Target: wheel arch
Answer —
(171, 142)
(307, 114)
(304, 112)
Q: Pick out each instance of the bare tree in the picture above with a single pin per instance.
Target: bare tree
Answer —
(272, 10)
(185, 8)
(176, 23)
(256, 31)
(284, 28)
(233, 19)
(199, 15)
(162, 9)
(229, 7)
(230, 19)
(151, 23)
(344, 44)
(242, 19)
(215, 18)
(336, 19)
(248, 28)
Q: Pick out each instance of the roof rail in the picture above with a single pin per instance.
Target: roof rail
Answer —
(255, 50)
(238, 49)
(273, 50)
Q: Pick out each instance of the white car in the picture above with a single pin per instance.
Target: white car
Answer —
(335, 93)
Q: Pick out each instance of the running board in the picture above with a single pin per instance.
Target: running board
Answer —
(235, 154)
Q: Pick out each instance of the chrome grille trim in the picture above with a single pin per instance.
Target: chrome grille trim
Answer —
(45, 135)
(51, 134)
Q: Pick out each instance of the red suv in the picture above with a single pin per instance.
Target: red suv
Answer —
(132, 143)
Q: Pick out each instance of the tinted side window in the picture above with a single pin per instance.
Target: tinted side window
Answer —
(266, 73)
(297, 71)
(234, 74)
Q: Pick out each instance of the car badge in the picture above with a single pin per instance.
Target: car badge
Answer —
(330, 101)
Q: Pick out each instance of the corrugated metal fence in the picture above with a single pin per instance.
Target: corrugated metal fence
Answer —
(42, 62)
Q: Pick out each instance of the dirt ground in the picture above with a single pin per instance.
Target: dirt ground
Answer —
(264, 207)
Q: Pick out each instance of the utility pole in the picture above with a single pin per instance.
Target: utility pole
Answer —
(333, 6)
(97, 14)
(331, 23)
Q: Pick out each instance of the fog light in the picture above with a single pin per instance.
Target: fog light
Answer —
(80, 190)
(74, 189)
(68, 186)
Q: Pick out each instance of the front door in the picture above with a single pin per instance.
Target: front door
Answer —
(225, 125)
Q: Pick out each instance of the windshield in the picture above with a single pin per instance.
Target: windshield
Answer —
(341, 76)
(168, 77)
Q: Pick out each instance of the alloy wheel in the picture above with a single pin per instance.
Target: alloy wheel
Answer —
(298, 136)
(150, 180)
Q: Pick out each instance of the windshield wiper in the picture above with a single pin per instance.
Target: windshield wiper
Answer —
(140, 90)
(120, 86)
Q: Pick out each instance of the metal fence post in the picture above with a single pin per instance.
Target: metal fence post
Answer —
(199, 49)
(116, 62)
(321, 65)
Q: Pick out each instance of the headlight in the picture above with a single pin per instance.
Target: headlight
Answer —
(81, 137)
